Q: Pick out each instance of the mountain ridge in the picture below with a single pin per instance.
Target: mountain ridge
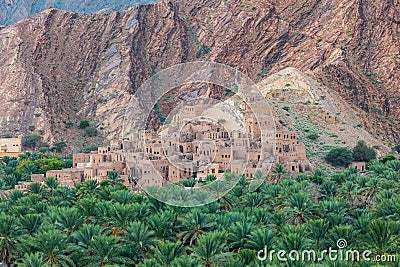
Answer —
(12, 11)
(102, 59)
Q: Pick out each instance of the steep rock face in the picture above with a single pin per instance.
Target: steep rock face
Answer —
(351, 46)
(58, 67)
(12, 11)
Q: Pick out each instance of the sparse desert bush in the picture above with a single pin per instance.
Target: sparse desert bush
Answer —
(313, 136)
(90, 132)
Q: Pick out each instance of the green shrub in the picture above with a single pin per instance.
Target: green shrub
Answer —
(362, 152)
(43, 149)
(203, 50)
(84, 124)
(387, 158)
(68, 124)
(90, 132)
(313, 136)
(58, 147)
(340, 156)
(32, 140)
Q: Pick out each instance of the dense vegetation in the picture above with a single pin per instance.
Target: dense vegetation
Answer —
(107, 225)
(343, 156)
(14, 170)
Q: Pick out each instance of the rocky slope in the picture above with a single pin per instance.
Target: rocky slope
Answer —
(302, 104)
(12, 11)
(57, 68)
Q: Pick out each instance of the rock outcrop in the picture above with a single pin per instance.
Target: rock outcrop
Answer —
(57, 67)
(12, 11)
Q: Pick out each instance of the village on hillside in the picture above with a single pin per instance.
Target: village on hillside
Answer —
(191, 147)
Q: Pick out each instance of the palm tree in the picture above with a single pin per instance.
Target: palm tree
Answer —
(138, 239)
(189, 182)
(51, 184)
(259, 238)
(68, 196)
(10, 180)
(262, 217)
(299, 208)
(335, 206)
(343, 232)
(253, 200)
(394, 165)
(185, 260)
(247, 257)
(226, 202)
(68, 219)
(318, 176)
(10, 232)
(33, 260)
(114, 178)
(294, 241)
(122, 196)
(258, 179)
(14, 196)
(349, 191)
(28, 170)
(376, 168)
(278, 172)
(87, 207)
(163, 224)
(120, 215)
(85, 234)
(88, 187)
(380, 236)
(210, 248)
(317, 232)
(50, 243)
(35, 188)
(218, 188)
(166, 252)
(30, 223)
(328, 189)
(105, 250)
(238, 234)
(193, 225)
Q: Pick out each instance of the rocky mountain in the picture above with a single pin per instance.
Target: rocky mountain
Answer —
(58, 67)
(320, 117)
(12, 11)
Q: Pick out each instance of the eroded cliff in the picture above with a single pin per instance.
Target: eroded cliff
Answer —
(57, 68)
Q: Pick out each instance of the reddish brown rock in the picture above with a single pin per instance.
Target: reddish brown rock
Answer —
(58, 67)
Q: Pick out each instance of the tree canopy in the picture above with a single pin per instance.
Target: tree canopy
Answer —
(362, 152)
(340, 156)
(105, 224)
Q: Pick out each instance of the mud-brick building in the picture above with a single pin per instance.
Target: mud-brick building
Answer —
(290, 153)
(93, 166)
(67, 177)
(11, 147)
(360, 166)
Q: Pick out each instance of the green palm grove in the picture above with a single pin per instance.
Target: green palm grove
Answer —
(107, 225)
